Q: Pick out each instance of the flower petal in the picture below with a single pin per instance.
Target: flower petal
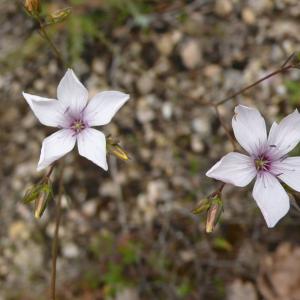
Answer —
(55, 146)
(271, 198)
(103, 106)
(284, 137)
(249, 129)
(288, 170)
(71, 93)
(92, 145)
(48, 111)
(234, 168)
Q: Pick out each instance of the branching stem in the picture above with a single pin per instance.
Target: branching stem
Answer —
(282, 69)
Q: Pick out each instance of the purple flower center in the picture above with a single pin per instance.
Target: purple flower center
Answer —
(77, 126)
(263, 163)
(75, 121)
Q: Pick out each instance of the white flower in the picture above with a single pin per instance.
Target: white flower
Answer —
(267, 160)
(74, 115)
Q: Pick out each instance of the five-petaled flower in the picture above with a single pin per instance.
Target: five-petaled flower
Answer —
(74, 115)
(267, 160)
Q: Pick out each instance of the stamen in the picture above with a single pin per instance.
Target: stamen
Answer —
(262, 163)
(77, 126)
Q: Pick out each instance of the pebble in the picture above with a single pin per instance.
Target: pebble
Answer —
(145, 83)
(248, 16)
(165, 44)
(128, 294)
(191, 54)
(89, 208)
(19, 230)
(70, 250)
(145, 113)
(238, 290)
(223, 7)
(196, 143)
(201, 126)
(167, 110)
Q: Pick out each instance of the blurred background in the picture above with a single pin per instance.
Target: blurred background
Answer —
(129, 234)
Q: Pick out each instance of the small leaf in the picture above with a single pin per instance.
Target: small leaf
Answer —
(222, 244)
(203, 206)
(32, 193)
(40, 193)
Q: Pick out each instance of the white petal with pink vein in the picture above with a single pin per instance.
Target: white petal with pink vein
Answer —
(74, 115)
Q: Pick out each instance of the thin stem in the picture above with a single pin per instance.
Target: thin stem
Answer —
(278, 71)
(50, 171)
(290, 58)
(45, 35)
(56, 237)
(218, 191)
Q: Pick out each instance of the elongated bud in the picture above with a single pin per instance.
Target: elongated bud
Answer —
(58, 16)
(114, 148)
(41, 194)
(33, 6)
(41, 204)
(214, 213)
(202, 207)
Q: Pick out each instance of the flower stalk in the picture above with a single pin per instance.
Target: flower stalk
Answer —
(33, 8)
(56, 236)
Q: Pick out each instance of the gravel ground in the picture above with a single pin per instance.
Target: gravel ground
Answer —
(129, 233)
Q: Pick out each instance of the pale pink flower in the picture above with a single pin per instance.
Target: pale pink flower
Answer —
(267, 160)
(74, 115)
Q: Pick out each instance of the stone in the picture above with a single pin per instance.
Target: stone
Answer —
(191, 54)
(223, 7)
(238, 290)
(248, 16)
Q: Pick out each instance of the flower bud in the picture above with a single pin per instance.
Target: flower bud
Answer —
(58, 16)
(32, 193)
(33, 6)
(41, 194)
(214, 213)
(203, 206)
(115, 149)
(41, 204)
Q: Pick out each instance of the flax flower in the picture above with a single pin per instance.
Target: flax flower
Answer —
(74, 115)
(266, 160)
